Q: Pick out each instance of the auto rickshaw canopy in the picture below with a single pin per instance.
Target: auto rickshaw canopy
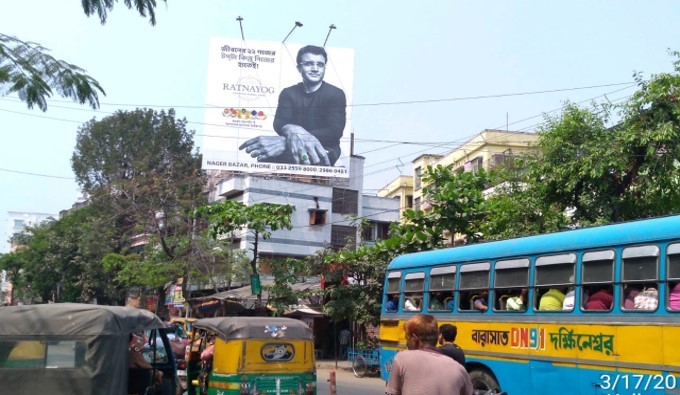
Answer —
(84, 348)
(242, 328)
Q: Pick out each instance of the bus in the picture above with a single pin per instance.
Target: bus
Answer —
(628, 344)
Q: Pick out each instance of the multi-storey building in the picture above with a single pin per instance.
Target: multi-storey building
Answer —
(18, 221)
(326, 210)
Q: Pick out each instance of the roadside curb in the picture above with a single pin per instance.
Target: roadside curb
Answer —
(328, 364)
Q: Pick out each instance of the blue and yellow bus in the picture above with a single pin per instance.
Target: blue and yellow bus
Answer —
(629, 344)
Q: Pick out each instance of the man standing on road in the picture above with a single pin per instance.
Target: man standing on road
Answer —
(447, 339)
(343, 338)
(422, 370)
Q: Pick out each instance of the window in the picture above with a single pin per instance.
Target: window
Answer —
(414, 285)
(554, 273)
(409, 201)
(18, 224)
(393, 282)
(442, 285)
(317, 216)
(474, 165)
(382, 230)
(511, 279)
(416, 204)
(343, 235)
(474, 285)
(597, 277)
(417, 179)
(345, 201)
(58, 354)
(640, 274)
(367, 232)
(673, 275)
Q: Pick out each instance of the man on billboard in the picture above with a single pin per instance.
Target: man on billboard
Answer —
(309, 120)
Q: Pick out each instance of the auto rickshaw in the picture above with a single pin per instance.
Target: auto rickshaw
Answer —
(251, 356)
(70, 348)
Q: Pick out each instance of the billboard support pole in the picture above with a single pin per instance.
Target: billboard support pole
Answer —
(330, 29)
(297, 24)
(240, 20)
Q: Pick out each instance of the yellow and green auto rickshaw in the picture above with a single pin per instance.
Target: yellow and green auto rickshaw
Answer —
(251, 355)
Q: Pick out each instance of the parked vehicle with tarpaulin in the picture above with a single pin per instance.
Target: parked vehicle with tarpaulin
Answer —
(69, 348)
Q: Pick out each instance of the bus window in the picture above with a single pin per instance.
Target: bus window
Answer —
(673, 275)
(414, 286)
(597, 277)
(640, 270)
(511, 279)
(554, 273)
(474, 286)
(392, 298)
(442, 285)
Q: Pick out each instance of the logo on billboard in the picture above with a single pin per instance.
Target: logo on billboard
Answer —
(248, 88)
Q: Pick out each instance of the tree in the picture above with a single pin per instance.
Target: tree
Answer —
(61, 261)
(627, 171)
(516, 206)
(260, 219)
(139, 167)
(27, 69)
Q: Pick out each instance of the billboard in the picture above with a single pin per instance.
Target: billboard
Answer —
(278, 108)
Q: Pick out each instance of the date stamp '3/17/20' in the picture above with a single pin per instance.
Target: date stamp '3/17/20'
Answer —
(630, 384)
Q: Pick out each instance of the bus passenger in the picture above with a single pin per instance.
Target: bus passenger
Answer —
(391, 304)
(602, 299)
(437, 301)
(413, 303)
(552, 300)
(648, 299)
(674, 296)
(517, 302)
(630, 292)
(480, 303)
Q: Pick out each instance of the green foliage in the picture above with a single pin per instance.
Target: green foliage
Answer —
(516, 207)
(609, 174)
(27, 69)
(264, 218)
(140, 166)
(260, 219)
(101, 8)
(281, 294)
(64, 257)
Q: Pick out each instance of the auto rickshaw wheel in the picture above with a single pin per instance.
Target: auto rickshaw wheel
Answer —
(359, 366)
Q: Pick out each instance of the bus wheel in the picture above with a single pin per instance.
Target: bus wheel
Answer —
(483, 382)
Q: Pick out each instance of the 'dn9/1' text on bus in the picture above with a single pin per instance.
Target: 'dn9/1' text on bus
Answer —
(587, 311)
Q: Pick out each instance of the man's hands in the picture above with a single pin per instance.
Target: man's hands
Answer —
(301, 145)
(265, 147)
(304, 146)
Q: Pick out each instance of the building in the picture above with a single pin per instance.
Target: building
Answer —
(18, 221)
(487, 150)
(325, 213)
(401, 188)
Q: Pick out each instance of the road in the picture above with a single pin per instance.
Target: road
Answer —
(348, 384)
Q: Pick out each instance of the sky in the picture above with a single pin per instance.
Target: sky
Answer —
(428, 75)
